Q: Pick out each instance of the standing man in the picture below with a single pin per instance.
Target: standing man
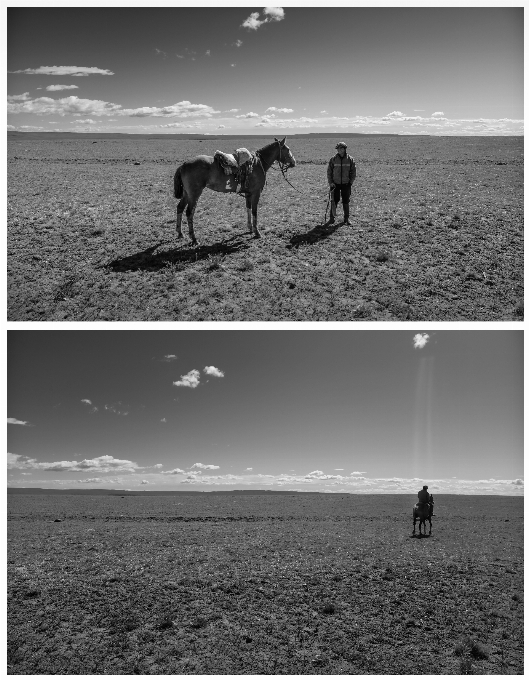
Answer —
(341, 173)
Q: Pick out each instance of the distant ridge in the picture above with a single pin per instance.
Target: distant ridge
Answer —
(12, 135)
(123, 492)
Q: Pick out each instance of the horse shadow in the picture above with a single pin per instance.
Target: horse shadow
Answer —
(151, 260)
(420, 536)
(317, 233)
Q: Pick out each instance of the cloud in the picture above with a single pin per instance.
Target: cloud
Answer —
(99, 464)
(176, 471)
(18, 97)
(271, 14)
(211, 370)
(357, 473)
(393, 114)
(66, 71)
(251, 114)
(91, 480)
(248, 469)
(232, 111)
(163, 420)
(437, 114)
(517, 482)
(144, 481)
(73, 105)
(169, 357)
(158, 52)
(208, 53)
(237, 43)
(117, 408)
(201, 466)
(87, 121)
(14, 421)
(86, 401)
(191, 379)
(420, 340)
(273, 108)
(56, 88)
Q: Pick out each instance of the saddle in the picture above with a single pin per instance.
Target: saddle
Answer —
(227, 162)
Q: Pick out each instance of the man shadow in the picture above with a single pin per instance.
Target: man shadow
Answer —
(317, 233)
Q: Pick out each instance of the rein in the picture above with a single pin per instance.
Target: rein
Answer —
(282, 167)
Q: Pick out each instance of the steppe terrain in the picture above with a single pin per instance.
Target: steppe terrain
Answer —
(437, 234)
(300, 584)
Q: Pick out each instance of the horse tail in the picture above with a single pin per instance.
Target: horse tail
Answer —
(178, 184)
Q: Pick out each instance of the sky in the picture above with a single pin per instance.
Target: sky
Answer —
(266, 70)
(356, 411)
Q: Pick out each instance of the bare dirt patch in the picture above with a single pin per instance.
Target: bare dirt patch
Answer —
(330, 584)
(437, 234)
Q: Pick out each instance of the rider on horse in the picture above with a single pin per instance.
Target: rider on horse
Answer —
(425, 497)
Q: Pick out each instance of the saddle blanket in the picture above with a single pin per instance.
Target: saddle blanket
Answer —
(230, 163)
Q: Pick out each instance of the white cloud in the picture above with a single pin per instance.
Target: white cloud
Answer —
(191, 379)
(248, 469)
(420, 340)
(393, 114)
(117, 408)
(237, 43)
(66, 71)
(99, 464)
(170, 357)
(91, 480)
(251, 114)
(18, 97)
(211, 370)
(516, 482)
(87, 121)
(271, 14)
(176, 471)
(73, 105)
(56, 88)
(14, 421)
(163, 420)
(437, 114)
(273, 108)
(201, 466)
(86, 401)
(144, 481)
(232, 111)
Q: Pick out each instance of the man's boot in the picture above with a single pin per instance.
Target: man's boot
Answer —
(346, 214)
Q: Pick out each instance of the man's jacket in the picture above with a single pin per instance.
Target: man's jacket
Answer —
(424, 496)
(341, 170)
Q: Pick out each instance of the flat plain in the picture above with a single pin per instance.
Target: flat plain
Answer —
(437, 234)
(296, 584)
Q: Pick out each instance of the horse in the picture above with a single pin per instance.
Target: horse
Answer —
(193, 176)
(421, 512)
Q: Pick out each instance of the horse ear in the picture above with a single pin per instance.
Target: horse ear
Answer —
(283, 141)
(276, 139)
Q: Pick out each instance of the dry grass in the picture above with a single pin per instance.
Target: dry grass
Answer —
(257, 585)
(437, 235)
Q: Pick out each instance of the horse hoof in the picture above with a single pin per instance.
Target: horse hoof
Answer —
(257, 235)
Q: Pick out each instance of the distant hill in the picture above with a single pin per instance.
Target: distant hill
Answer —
(117, 135)
(123, 492)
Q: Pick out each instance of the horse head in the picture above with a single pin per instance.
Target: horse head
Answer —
(285, 155)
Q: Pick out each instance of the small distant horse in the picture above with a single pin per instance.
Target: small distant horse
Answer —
(193, 176)
(421, 512)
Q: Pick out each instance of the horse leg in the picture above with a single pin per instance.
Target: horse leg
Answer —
(190, 211)
(249, 212)
(414, 520)
(179, 212)
(255, 201)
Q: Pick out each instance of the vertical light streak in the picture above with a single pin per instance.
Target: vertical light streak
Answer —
(422, 429)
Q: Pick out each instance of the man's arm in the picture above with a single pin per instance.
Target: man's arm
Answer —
(352, 171)
(330, 168)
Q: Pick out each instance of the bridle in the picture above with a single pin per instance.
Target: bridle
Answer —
(284, 167)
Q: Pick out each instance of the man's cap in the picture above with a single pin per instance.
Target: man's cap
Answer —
(341, 144)
(425, 487)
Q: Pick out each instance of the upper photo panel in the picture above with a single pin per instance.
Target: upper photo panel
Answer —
(265, 164)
